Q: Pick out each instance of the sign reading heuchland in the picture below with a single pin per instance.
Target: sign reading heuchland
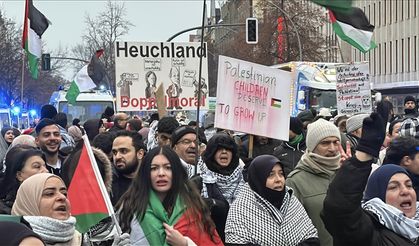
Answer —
(141, 66)
(253, 98)
(353, 90)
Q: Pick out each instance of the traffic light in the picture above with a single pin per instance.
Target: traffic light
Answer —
(251, 30)
(46, 62)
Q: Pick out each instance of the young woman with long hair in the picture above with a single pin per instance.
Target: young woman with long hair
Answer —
(162, 208)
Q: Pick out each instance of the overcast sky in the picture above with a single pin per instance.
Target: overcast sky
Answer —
(154, 20)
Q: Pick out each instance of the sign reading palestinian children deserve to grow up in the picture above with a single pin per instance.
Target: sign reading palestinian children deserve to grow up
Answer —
(140, 67)
(353, 89)
(253, 98)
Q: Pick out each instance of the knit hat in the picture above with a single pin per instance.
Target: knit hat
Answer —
(296, 125)
(378, 181)
(48, 111)
(325, 112)
(179, 132)
(355, 122)
(305, 115)
(4, 130)
(410, 127)
(75, 133)
(319, 130)
(409, 99)
(43, 123)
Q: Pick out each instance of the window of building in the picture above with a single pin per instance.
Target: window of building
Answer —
(379, 58)
(408, 9)
(379, 13)
(395, 10)
(402, 54)
(415, 53)
(402, 9)
(408, 55)
(415, 10)
(374, 62)
(396, 57)
(391, 57)
(385, 58)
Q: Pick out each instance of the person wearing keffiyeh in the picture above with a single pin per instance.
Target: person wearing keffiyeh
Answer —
(266, 212)
(388, 214)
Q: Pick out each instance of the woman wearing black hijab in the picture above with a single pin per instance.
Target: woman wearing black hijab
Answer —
(266, 212)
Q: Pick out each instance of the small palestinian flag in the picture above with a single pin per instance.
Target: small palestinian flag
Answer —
(276, 103)
(90, 202)
(354, 28)
(34, 25)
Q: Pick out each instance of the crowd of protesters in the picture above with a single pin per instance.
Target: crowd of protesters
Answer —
(342, 180)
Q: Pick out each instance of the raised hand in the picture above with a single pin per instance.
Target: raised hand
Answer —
(373, 134)
(345, 155)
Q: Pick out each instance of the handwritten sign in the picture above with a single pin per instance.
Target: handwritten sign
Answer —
(141, 66)
(353, 90)
(253, 98)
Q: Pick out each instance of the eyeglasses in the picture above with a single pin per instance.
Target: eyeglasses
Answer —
(186, 142)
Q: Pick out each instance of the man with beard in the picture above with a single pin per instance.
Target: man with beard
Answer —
(49, 140)
(128, 150)
(315, 170)
(184, 144)
(119, 122)
(410, 107)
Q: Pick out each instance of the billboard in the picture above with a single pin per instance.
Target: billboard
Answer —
(140, 67)
(253, 98)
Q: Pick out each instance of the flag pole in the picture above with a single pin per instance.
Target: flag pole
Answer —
(102, 186)
(22, 79)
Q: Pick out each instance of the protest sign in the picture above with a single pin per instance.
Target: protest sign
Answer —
(353, 92)
(253, 98)
(141, 66)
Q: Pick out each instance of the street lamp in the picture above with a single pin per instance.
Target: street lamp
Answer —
(293, 25)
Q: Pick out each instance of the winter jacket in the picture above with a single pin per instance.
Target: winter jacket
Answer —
(310, 188)
(343, 215)
(290, 155)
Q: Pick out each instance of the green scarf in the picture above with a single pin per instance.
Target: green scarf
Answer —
(155, 215)
(296, 140)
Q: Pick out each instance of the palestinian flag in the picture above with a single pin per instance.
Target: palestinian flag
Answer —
(152, 232)
(89, 77)
(276, 103)
(342, 6)
(87, 194)
(354, 28)
(34, 26)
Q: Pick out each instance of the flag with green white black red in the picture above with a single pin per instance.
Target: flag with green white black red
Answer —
(34, 25)
(90, 202)
(275, 102)
(353, 28)
(89, 77)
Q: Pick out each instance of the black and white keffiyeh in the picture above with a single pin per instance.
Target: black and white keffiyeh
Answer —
(252, 219)
(229, 185)
(394, 219)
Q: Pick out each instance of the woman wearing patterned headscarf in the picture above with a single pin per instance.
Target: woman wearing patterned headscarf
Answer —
(266, 212)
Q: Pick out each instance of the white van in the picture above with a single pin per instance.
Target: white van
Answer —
(89, 105)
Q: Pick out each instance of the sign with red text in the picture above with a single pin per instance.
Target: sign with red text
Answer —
(253, 98)
(353, 92)
(141, 66)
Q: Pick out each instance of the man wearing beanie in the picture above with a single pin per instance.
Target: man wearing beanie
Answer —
(410, 107)
(184, 144)
(289, 153)
(354, 130)
(48, 139)
(315, 170)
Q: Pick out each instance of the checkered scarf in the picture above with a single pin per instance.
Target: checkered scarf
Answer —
(229, 185)
(252, 219)
(410, 127)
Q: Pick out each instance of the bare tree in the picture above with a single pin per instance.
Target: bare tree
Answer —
(102, 32)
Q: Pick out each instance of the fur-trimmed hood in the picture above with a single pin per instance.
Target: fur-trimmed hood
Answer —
(107, 167)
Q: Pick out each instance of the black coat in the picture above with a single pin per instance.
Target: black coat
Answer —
(343, 215)
(290, 155)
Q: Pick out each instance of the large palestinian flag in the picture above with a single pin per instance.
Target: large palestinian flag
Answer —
(87, 78)
(353, 28)
(34, 26)
(342, 6)
(88, 197)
